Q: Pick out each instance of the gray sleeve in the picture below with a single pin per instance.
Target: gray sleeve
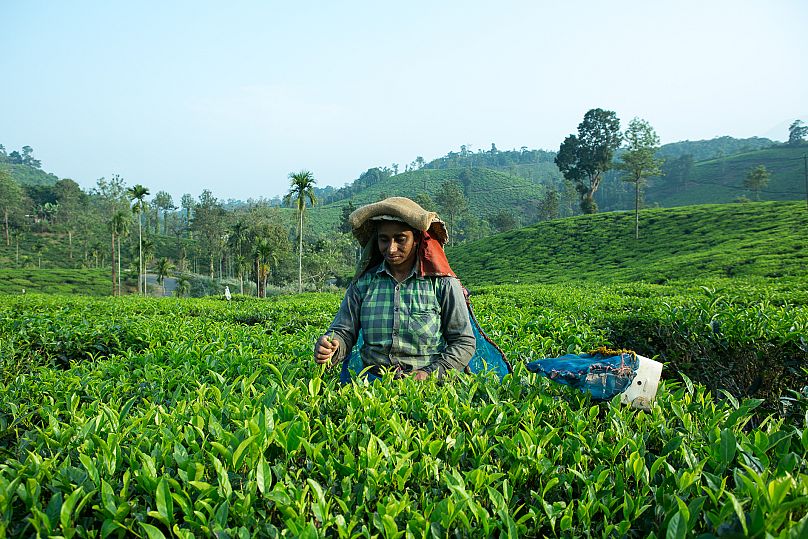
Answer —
(456, 329)
(345, 327)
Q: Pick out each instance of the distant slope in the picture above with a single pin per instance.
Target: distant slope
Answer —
(764, 239)
(489, 191)
(89, 282)
(719, 181)
(713, 148)
(27, 175)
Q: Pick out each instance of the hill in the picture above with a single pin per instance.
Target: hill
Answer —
(488, 192)
(720, 180)
(30, 176)
(763, 239)
(713, 148)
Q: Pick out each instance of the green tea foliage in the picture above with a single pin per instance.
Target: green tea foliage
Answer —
(222, 424)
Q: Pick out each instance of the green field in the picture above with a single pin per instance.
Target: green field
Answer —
(718, 181)
(88, 282)
(168, 417)
(764, 240)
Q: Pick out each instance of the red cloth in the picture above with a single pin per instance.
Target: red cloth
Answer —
(432, 259)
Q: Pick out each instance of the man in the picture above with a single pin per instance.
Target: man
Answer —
(405, 298)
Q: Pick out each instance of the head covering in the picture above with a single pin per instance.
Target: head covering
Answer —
(404, 209)
(431, 257)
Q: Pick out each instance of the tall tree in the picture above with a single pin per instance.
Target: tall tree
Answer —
(11, 197)
(119, 225)
(583, 159)
(163, 202)
(797, 132)
(137, 195)
(347, 210)
(453, 202)
(549, 204)
(209, 221)
(756, 179)
(72, 203)
(265, 257)
(187, 203)
(237, 236)
(639, 161)
(301, 189)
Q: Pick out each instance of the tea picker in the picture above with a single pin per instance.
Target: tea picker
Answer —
(418, 320)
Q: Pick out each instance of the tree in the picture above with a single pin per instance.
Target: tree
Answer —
(208, 221)
(639, 161)
(187, 203)
(504, 220)
(72, 203)
(119, 226)
(302, 188)
(797, 133)
(425, 201)
(583, 159)
(756, 179)
(549, 204)
(453, 202)
(11, 197)
(678, 171)
(465, 180)
(183, 287)
(237, 237)
(163, 202)
(265, 257)
(347, 210)
(137, 195)
(149, 252)
(164, 269)
(28, 157)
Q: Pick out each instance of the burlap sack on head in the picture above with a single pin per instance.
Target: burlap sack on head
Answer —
(403, 208)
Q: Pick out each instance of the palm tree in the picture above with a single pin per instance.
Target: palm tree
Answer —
(301, 188)
(137, 194)
(164, 268)
(149, 252)
(120, 227)
(238, 234)
(183, 287)
(264, 257)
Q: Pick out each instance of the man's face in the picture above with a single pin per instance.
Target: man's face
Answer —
(397, 244)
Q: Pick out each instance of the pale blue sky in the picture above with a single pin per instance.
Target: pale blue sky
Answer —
(233, 96)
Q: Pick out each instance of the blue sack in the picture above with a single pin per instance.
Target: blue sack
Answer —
(603, 373)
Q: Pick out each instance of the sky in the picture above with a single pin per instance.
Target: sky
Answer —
(233, 96)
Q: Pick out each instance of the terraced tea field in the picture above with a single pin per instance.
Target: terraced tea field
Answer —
(190, 418)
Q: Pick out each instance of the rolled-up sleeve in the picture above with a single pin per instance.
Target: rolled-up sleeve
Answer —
(345, 327)
(456, 329)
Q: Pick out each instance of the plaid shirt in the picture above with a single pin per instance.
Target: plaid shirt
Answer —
(421, 323)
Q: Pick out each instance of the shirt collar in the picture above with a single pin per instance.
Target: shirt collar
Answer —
(384, 269)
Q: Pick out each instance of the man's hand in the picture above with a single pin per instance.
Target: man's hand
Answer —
(325, 349)
(420, 375)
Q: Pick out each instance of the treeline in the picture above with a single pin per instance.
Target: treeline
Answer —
(134, 233)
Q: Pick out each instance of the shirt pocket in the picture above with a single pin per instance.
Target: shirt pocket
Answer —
(424, 327)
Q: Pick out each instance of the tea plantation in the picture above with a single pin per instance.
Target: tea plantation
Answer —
(191, 418)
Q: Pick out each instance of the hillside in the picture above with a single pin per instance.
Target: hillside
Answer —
(28, 175)
(717, 181)
(488, 192)
(765, 239)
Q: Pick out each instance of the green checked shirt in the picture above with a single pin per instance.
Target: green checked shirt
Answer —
(421, 323)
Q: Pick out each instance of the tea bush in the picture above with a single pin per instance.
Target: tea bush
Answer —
(204, 417)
